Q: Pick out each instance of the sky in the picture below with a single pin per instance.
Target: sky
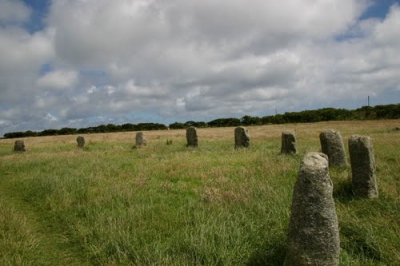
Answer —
(81, 63)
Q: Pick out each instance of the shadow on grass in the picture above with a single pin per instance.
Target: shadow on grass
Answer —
(343, 192)
(271, 253)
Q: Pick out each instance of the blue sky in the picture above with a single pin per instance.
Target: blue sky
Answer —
(40, 9)
(378, 9)
(73, 63)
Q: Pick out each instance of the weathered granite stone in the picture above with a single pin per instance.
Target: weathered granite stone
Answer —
(140, 140)
(191, 137)
(363, 167)
(288, 143)
(19, 145)
(332, 145)
(313, 237)
(81, 141)
(242, 138)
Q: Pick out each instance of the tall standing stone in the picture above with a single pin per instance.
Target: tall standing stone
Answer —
(19, 145)
(81, 141)
(313, 237)
(191, 137)
(242, 137)
(140, 140)
(363, 167)
(288, 143)
(332, 145)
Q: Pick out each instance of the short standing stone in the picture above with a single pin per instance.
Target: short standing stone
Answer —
(19, 145)
(81, 141)
(363, 167)
(242, 138)
(140, 140)
(313, 237)
(288, 143)
(191, 137)
(332, 145)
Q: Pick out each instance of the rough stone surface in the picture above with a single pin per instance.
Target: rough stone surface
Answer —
(19, 145)
(313, 237)
(242, 138)
(363, 167)
(332, 145)
(81, 141)
(191, 137)
(289, 145)
(140, 140)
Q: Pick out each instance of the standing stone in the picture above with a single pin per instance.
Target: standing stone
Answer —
(140, 140)
(363, 167)
(313, 237)
(19, 145)
(242, 138)
(288, 143)
(191, 137)
(332, 145)
(81, 141)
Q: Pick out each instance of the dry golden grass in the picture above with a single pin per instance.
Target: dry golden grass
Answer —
(261, 133)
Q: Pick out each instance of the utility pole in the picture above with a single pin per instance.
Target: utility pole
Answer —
(368, 100)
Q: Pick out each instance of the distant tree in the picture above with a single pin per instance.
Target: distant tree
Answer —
(48, 132)
(82, 131)
(390, 111)
(101, 129)
(112, 128)
(195, 124)
(250, 120)
(202, 125)
(128, 127)
(11, 135)
(67, 131)
(150, 126)
(224, 122)
(177, 125)
(30, 133)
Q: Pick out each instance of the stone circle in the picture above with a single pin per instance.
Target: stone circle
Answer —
(332, 145)
(289, 145)
(363, 167)
(19, 145)
(313, 237)
(191, 137)
(81, 141)
(140, 140)
(242, 137)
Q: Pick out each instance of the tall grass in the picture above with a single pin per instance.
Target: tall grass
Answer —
(163, 204)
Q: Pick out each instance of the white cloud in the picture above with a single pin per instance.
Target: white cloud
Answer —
(50, 117)
(185, 59)
(59, 79)
(13, 11)
(21, 57)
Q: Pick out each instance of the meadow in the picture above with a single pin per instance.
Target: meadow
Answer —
(109, 204)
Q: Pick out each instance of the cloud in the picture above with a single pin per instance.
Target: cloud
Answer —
(59, 79)
(13, 11)
(21, 57)
(136, 60)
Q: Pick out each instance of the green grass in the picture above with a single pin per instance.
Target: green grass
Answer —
(170, 205)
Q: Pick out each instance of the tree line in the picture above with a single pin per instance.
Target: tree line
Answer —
(390, 111)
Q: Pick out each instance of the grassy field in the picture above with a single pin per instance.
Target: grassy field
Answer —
(109, 204)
